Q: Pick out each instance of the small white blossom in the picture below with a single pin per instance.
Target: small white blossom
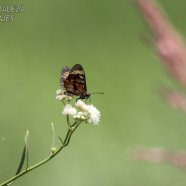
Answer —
(53, 150)
(88, 113)
(80, 105)
(84, 112)
(69, 110)
(77, 116)
(94, 114)
(59, 97)
(59, 92)
(83, 118)
(68, 98)
(80, 113)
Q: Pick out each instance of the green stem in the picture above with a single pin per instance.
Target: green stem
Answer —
(68, 120)
(28, 169)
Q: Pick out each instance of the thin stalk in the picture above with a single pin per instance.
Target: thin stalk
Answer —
(68, 120)
(29, 169)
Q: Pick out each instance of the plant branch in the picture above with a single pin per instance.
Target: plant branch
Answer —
(50, 157)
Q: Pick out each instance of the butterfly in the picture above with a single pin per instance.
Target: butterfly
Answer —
(74, 82)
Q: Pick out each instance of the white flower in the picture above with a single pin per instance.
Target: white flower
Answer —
(59, 92)
(80, 105)
(83, 112)
(68, 97)
(89, 112)
(81, 115)
(59, 97)
(83, 118)
(53, 150)
(69, 110)
(94, 114)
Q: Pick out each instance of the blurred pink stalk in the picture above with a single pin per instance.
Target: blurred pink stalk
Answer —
(168, 44)
(178, 159)
(159, 155)
(151, 155)
(176, 100)
(171, 49)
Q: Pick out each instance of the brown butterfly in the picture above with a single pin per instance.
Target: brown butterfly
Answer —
(74, 81)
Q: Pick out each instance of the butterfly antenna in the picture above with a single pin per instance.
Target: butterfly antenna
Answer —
(96, 93)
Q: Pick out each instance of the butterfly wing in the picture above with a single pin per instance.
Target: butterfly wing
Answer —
(75, 82)
(64, 74)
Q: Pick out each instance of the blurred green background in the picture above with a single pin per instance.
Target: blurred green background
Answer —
(106, 38)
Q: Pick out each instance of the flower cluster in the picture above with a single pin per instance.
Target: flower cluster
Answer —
(81, 111)
(84, 112)
(60, 96)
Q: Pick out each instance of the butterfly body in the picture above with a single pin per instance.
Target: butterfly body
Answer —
(74, 82)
